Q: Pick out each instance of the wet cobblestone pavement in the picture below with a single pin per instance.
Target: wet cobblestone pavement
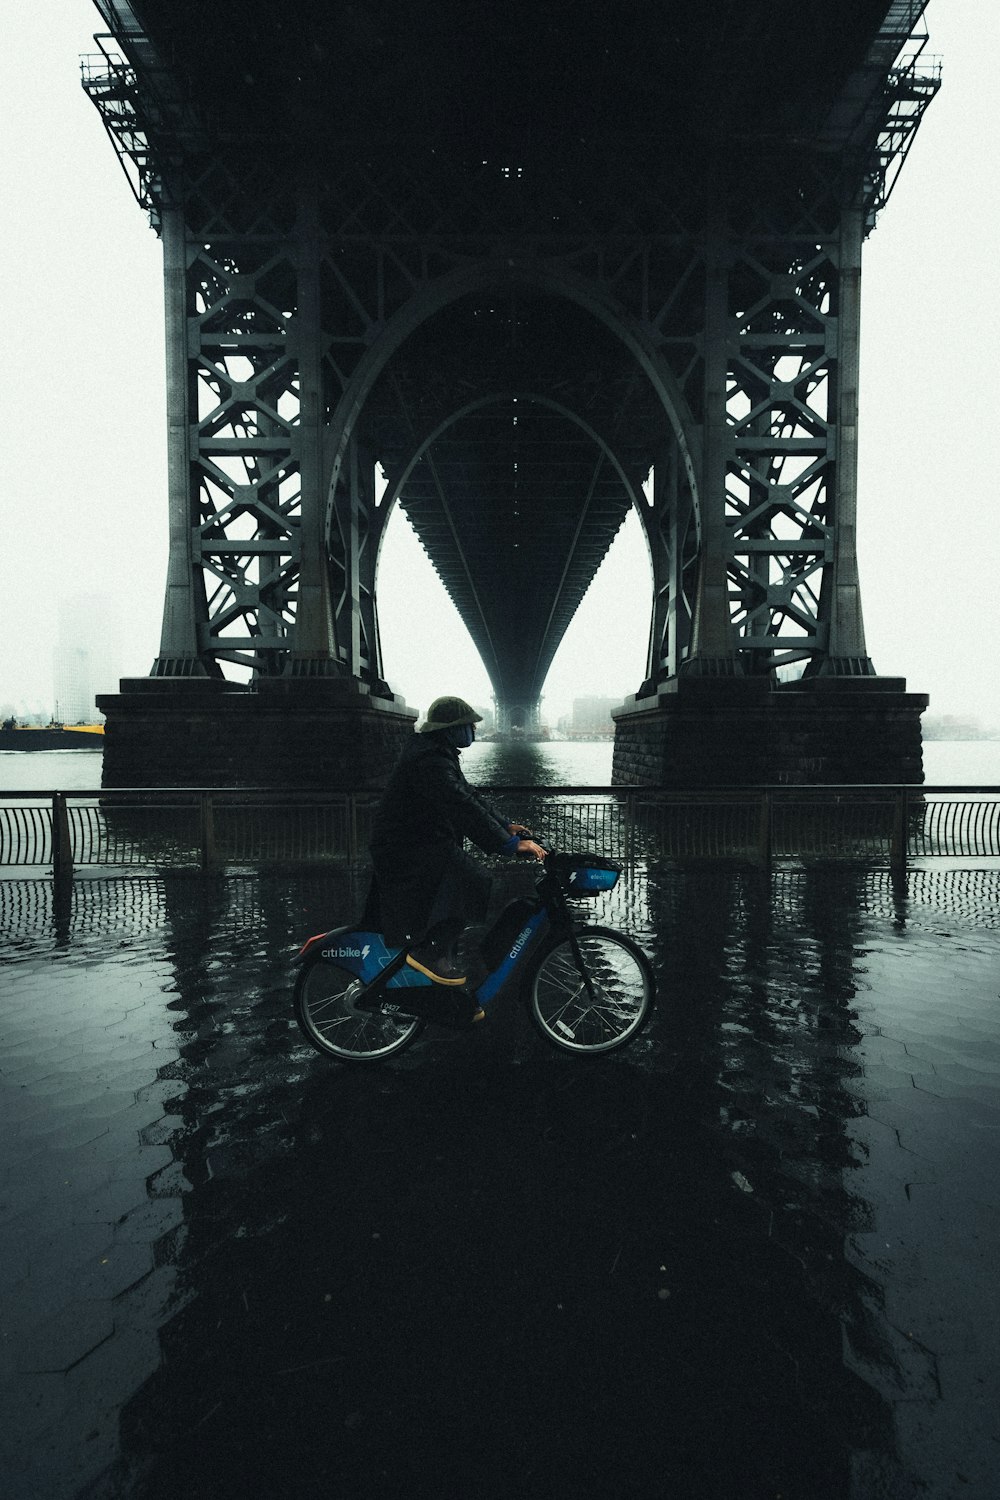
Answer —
(754, 1256)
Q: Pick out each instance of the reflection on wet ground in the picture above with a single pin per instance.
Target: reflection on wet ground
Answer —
(752, 1257)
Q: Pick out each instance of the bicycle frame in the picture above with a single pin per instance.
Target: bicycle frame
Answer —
(536, 925)
(384, 972)
(588, 989)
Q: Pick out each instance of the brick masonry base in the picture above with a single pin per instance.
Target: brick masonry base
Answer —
(329, 734)
(744, 731)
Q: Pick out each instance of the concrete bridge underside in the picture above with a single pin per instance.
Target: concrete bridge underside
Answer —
(521, 260)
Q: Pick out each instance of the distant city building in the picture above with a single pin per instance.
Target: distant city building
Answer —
(591, 718)
(87, 656)
(957, 727)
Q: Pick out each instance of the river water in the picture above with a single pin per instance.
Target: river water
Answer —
(563, 763)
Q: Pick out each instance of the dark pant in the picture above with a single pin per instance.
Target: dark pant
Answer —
(462, 897)
(409, 903)
(442, 937)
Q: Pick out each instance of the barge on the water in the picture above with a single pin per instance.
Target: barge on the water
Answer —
(15, 736)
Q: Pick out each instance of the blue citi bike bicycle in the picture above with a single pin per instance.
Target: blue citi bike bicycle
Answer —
(589, 989)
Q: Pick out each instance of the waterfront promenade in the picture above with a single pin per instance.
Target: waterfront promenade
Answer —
(755, 1256)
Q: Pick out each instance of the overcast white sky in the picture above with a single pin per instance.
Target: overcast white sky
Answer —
(82, 439)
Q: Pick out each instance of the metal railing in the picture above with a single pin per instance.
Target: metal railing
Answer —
(182, 828)
(203, 828)
(882, 824)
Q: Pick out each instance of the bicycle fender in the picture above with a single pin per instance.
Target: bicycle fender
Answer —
(365, 955)
(311, 944)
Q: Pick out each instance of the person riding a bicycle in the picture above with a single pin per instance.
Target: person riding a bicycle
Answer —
(426, 889)
(365, 991)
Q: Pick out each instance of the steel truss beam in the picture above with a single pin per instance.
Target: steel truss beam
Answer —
(287, 300)
(755, 339)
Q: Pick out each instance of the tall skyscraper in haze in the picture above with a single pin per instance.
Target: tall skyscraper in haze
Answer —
(592, 718)
(87, 656)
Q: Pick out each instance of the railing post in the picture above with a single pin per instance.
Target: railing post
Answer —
(206, 819)
(62, 845)
(900, 834)
(764, 829)
(352, 828)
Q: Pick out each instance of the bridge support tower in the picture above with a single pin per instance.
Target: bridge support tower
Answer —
(518, 720)
(759, 668)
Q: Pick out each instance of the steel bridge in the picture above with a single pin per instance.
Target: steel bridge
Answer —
(517, 269)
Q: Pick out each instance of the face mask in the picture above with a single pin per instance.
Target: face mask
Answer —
(463, 736)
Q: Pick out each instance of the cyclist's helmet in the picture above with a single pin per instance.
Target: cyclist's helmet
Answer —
(449, 713)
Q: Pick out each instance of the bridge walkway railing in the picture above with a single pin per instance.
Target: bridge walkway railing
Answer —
(204, 828)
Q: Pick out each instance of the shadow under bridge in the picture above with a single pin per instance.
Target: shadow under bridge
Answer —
(515, 431)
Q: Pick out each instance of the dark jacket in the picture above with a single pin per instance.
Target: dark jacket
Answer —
(421, 870)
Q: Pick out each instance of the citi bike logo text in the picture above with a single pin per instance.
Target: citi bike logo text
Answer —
(347, 952)
(522, 938)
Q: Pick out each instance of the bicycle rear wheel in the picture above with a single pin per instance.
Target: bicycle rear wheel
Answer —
(324, 1009)
(610, 1013)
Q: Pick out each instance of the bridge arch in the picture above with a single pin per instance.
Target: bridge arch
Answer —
(498, 275)
(525, 399)
(493, 398)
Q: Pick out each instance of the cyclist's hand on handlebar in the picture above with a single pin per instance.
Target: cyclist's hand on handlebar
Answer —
(528, 846)
(519, 828)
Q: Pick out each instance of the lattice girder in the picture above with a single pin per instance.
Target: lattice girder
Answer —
(749, 391)
(787, 477)
(780, 340)
(244, 397)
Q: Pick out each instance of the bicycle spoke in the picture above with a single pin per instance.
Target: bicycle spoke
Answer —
(332, 1003)
(592, 999)
(332, 1026)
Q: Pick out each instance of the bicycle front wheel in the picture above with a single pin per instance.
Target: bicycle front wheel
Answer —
(603, 1015)
(324, 1009)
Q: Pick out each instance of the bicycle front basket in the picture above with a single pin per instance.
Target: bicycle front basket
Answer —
(590, 874)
